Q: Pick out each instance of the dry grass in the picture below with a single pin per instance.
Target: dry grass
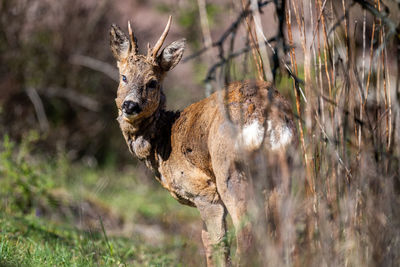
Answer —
(334, 201)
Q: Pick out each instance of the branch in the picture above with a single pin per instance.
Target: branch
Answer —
(210, 74)
(384, 16)
(232, 28)
(39, 109)
(97, 65)
(71, 95)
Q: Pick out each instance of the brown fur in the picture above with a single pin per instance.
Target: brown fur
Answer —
(196, 154)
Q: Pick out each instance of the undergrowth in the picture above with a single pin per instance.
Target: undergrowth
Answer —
(56, 212)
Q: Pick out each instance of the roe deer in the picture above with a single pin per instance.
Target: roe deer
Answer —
(196, 154)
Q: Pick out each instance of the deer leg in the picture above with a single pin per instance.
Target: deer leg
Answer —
(214, 232)
(233, 189)
(208, 246)
(232, 183)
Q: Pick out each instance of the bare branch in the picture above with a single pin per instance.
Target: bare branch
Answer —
(97, 65)
(72, 96)
(39, 109)
(231, 30)
(384, 16)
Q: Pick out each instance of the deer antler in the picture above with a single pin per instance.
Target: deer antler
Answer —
(162, 38)
(133, 48)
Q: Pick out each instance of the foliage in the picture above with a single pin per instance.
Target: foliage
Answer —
(43, 88)
(55, 212)
(23, 183)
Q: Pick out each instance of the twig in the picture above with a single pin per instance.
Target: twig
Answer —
(39, 108)
(211, 72)
(253, 40)
(211, 76)
(205, 27)
(232, 29)
(309, 184)
(330, 142)
(371, 54)
(259, 35)
(390, 119)
(319, 67)
(318, 20)
(289, 70)
(207, 39)
(326, 48)
(362, 78)
(384, 17)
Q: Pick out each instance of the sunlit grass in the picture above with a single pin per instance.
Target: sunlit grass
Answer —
(58, 227)
(31, 241)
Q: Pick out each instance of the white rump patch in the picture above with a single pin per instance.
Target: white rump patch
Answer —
(280, 136)
(252, 135)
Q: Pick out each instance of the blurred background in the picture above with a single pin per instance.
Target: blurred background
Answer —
(72, 194)
(58, 76)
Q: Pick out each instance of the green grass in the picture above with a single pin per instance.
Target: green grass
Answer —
(130, 194)
(30, 241)
(51, 208)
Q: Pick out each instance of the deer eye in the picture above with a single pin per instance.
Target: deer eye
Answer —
(124, 79)
(152, 84)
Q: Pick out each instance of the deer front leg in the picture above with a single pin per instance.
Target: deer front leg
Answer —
(214, 232)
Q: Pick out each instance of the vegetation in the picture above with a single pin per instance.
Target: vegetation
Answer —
(31, 241)
(54, 212)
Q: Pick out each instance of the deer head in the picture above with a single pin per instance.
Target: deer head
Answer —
(140, 92)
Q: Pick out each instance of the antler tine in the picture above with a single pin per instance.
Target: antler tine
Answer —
(148, 49)
(162, 38)
(133, 47)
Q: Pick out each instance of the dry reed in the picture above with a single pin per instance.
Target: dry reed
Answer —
(347, 213)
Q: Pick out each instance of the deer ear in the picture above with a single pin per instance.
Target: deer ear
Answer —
(171, 55)
(119, 43)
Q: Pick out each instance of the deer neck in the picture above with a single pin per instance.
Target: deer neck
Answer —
(150, 140)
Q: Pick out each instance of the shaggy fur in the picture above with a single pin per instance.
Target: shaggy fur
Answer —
(197, 154)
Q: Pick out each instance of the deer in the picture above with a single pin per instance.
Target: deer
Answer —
(197, 153)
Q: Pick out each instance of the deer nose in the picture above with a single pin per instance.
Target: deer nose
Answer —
(130, 107)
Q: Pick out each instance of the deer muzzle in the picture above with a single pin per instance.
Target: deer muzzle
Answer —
(131, 108)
